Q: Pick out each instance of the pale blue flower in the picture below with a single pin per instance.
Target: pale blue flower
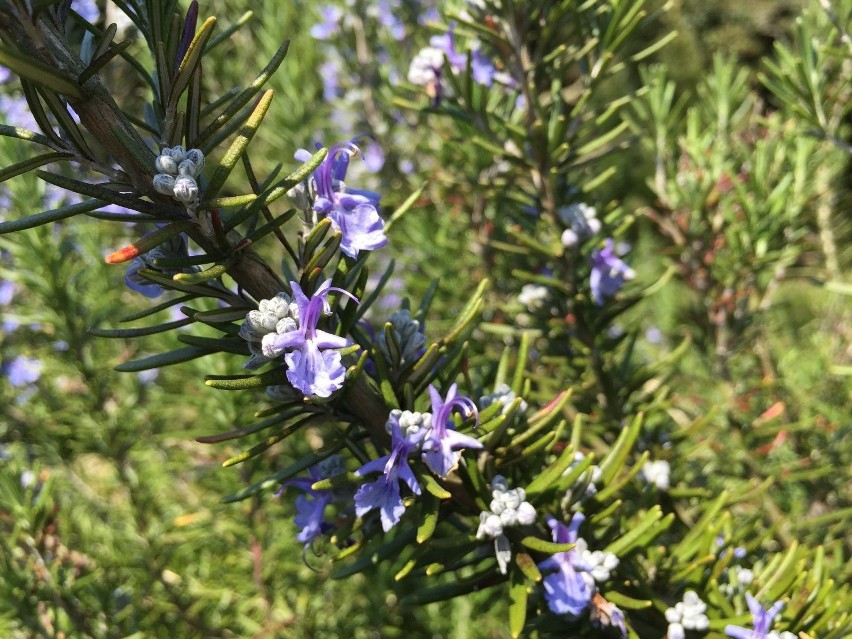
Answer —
(354, 213)
(443, 444)
(329, 24)
(568, 588)
(22, 371)
(608, 273)
(762, 620)
(384, 493)
(312, 367)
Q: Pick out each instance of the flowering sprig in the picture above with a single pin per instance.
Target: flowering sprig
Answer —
(353, 212)
(570, 584)
(384, 493)
(443, 444)
(288, 326)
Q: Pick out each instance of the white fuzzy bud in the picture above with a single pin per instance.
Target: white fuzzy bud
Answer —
(164, 183)
(166, 164)
(489, 526)
(526, 514)
(178, 153)
(569, 238)
(186, 189)
(197, 158)
(187, 167)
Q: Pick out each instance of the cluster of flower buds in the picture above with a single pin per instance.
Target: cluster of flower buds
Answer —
(507, 508)
(687, 615)
(274, 316)
(408, 341)
(582, 222)
(504, 396)
(412, 424)
(177, 172)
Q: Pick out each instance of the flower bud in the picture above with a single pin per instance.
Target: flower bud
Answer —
(166, 164)
(569, 238)
(197, 158)
(187, 167)
(164, 183)
(186, 189)
(526, 514)
(178, 153)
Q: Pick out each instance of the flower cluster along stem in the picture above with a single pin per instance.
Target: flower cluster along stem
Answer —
(103, 118)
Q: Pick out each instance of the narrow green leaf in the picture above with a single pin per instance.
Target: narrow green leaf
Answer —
(433, 487)
(107, 195)
(237, 346)
(552, 473)
(229, 31)
(429, 506)
(25, 166)
(36, 71)
(403, 209)
(458, 587)
(627, 603)
(156, 309)
(546, 547)
(467, 314)
(242, 382)
(139, 332)
(222, 316)
(636, 531)
(31, 221)
(253, 428)
(163, 359)
(275, 481)
(245, 97)
(517, 603)
(148, 242)
(24, 134)
(214, 272)
(527, 565)
(239, 146)
(376, 553)
(267, 443)
(101, 60)
(613, 462)
(278, 191)
(191, 60)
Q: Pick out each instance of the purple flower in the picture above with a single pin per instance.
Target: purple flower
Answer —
(87, 9)
(7, 292)
(310, 368)
(568, 588)
(384, 492)
(446, 43)
(762, 620)
(354, 213)
(310, 506)
(22, 371)
(329, 71)
(442, 445)
(481, 68)
(5, 74)
(608, 273)
(330, 23)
